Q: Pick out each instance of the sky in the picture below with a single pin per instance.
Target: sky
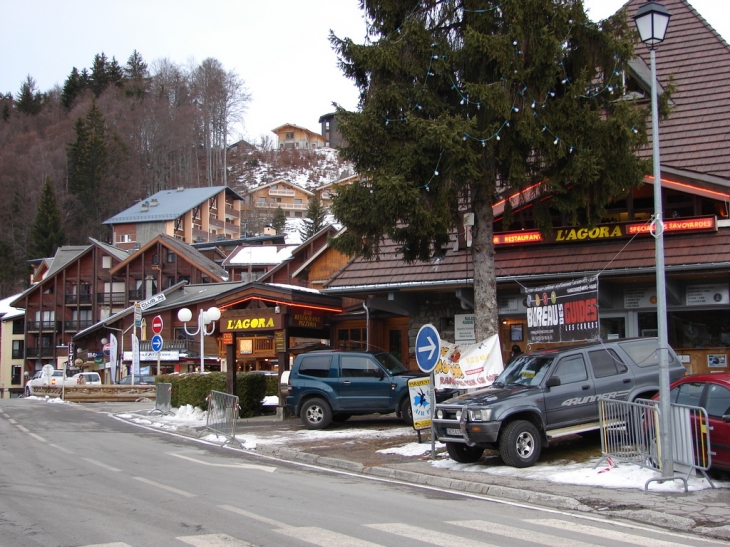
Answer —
(279, 48)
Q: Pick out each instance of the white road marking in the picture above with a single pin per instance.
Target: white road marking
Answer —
(267, 468)
(12, 421)
(325, 538)
(214, 540)
(604, 533)
(37, 437)
(254, 516)
(108, 545)
(428, 536)
(62, 449)
(23, 429)
(101, 464)
(165, 487)
(519, 533)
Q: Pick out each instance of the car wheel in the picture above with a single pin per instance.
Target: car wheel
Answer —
(339, 418)
(462, 453)
(316, 414)
(406, 412)
(520, 444)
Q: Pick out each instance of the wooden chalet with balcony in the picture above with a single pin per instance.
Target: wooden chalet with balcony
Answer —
(292, 199)
(301, 138)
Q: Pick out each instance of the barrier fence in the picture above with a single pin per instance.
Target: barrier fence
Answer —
(630, 433)
(163, 399)
(222, 415)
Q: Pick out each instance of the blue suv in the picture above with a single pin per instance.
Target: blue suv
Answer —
(330, 386)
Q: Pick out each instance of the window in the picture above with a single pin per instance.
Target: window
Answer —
(571, 369)
(289, 136)
(106, 262)
(316, 365)
(125, 238)
(351, 338)
(297, 201)
(606, 363)
(298, 214)
(687, 394)
(171, 257)
(15, 374)
(18, 346)
(357, 366)
(170, 281)
(19, 326)
(718, 401)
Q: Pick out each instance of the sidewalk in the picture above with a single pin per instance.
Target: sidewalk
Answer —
(383, 447)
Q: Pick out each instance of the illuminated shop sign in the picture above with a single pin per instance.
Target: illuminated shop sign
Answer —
(250, 320)
(605, 231)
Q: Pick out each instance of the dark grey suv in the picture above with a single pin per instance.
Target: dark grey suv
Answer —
(547, 394)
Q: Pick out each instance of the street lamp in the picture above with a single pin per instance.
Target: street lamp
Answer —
(205, 317)
(651, 21)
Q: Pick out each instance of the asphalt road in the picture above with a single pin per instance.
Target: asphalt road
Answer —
(70, 477)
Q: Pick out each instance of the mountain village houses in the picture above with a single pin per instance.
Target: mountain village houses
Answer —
(278, 299)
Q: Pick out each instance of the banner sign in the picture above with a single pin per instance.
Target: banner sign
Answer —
(563, 312)
(604, 232)
(469, 367)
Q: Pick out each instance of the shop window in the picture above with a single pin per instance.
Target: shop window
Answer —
(698, 329)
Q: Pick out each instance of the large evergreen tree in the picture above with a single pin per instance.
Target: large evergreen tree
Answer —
(47, 232)
(315, 218)
(463, 102)
(278, 222)
(30, 100)
(72, 88)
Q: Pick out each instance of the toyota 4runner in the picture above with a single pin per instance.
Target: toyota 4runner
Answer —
(547, 394)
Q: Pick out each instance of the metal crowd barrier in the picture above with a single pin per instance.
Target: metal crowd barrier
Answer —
(630, 433)
(163, 399)
(222, 415)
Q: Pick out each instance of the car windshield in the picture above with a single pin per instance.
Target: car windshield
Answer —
(393, 365)
(527, 370)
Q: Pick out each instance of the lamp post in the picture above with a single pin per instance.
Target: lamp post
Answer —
(205, 317)
(651, 21)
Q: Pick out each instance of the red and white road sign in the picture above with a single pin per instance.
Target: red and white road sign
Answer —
(157, 324)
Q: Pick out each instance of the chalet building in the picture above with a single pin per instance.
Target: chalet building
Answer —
(327, 191)
(330, 131)
(192, 215)
(293, 136)
(75, 292)
(292, 199)
(251, 262)
(12, 349)
(310, 264)
(163, 262)
(695, 156)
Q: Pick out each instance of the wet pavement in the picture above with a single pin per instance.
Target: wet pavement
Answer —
(703, 512)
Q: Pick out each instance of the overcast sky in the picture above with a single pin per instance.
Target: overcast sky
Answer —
(279, 47)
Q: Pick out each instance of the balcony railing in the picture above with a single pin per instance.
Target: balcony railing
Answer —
(216, 222)
(110, 298)
(34, 326)
(77, 324)
(18, 353)
(74, 299)
(230, 227)
(37, 353)
(292, 206)
(136, 294)
(281, 192)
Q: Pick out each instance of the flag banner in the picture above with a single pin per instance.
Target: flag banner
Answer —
(563, 312)
(469, 367)
(113, 351)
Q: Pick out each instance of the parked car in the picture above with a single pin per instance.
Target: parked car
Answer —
(84, 378)
(711, 392)
(47, 377)
(331, 386)
(546, 394)
(139, 380)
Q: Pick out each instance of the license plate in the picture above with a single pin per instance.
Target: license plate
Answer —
(455, 432)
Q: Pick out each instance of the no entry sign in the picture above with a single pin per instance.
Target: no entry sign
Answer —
(157, 324)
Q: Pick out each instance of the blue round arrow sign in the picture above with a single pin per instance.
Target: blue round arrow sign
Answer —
(428, 347)
(156, 342)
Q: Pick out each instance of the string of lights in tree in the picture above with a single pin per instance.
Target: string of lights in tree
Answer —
(523, 92)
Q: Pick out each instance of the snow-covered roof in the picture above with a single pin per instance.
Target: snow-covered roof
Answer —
(257, 255)
(9, 312)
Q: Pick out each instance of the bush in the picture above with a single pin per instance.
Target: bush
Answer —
(193, 389)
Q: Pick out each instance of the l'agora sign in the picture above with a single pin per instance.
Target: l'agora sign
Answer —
(250, 320)
(605, 231)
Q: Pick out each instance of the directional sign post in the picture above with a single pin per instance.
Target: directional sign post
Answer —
(428, 353)
(428, 348)
(156, 343)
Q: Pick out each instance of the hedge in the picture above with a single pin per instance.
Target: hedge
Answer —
(193, 389)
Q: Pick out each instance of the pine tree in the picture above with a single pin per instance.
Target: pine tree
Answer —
(30, 100)
(47, 231)
(315, 219)
(100, 77)
(135, 73)
(465, 102)
(72, 88)
(278, 222)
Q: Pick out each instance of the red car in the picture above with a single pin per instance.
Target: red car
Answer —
(711, 392)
